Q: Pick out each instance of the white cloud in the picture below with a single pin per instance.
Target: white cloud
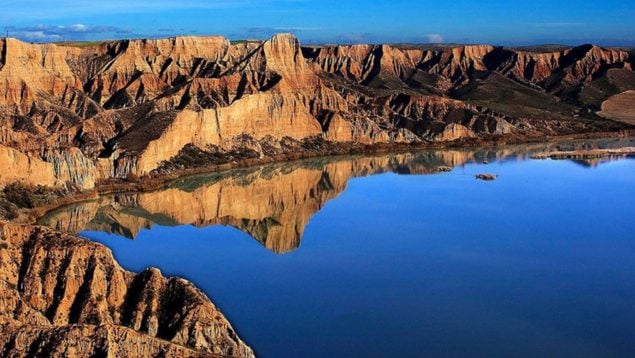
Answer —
(79, 27)
(49, 33)
(38, 36)
(435, 38)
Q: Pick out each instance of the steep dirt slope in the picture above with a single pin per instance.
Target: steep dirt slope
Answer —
(620, 107)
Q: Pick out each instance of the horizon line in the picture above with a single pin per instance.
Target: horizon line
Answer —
(310, 43)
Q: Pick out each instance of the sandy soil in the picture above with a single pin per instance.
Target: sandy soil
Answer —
(620, 107)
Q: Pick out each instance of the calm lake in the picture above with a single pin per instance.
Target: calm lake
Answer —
(393, 255)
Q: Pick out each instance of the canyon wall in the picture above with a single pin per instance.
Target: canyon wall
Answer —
(65, 296)
(126, 109)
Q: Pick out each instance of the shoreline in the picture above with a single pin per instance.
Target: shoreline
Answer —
(202, 330)
(141, 184)
(159, 181)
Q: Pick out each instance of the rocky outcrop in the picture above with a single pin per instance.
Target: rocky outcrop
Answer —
(123, 109)
(455, 65)
(24, 167)
(50, 167)
(65, 296)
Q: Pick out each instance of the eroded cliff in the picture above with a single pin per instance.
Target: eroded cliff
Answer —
(133, 108)
(65, 296)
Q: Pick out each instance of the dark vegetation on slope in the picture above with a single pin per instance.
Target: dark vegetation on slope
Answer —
(17, 196)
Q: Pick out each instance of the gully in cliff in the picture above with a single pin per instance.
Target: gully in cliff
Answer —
(118, 111)
(57, 290)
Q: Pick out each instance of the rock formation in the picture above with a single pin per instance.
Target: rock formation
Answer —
(133, 108)
(65, 296)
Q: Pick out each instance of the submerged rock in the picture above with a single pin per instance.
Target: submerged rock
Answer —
(486, 177)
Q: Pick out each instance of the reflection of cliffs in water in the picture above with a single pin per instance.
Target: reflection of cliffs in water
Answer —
(272, 203)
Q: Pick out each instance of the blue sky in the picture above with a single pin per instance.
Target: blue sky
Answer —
(510, 22)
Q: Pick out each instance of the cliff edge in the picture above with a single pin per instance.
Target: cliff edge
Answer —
(65, 296)
(73, 116)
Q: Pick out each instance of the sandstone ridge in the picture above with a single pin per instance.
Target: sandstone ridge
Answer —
(133, 108)
(66, 297)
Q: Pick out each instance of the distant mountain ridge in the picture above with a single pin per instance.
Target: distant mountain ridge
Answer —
(132, 108)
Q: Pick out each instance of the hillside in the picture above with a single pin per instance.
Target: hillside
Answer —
(80, 115)
(64, 296)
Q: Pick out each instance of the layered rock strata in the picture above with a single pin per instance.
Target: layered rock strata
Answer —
(63, 296)
(123, 109)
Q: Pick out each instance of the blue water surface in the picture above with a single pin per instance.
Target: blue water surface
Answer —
(540, 262)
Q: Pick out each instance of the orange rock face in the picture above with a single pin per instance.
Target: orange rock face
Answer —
(122, 109)
(65, 296)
